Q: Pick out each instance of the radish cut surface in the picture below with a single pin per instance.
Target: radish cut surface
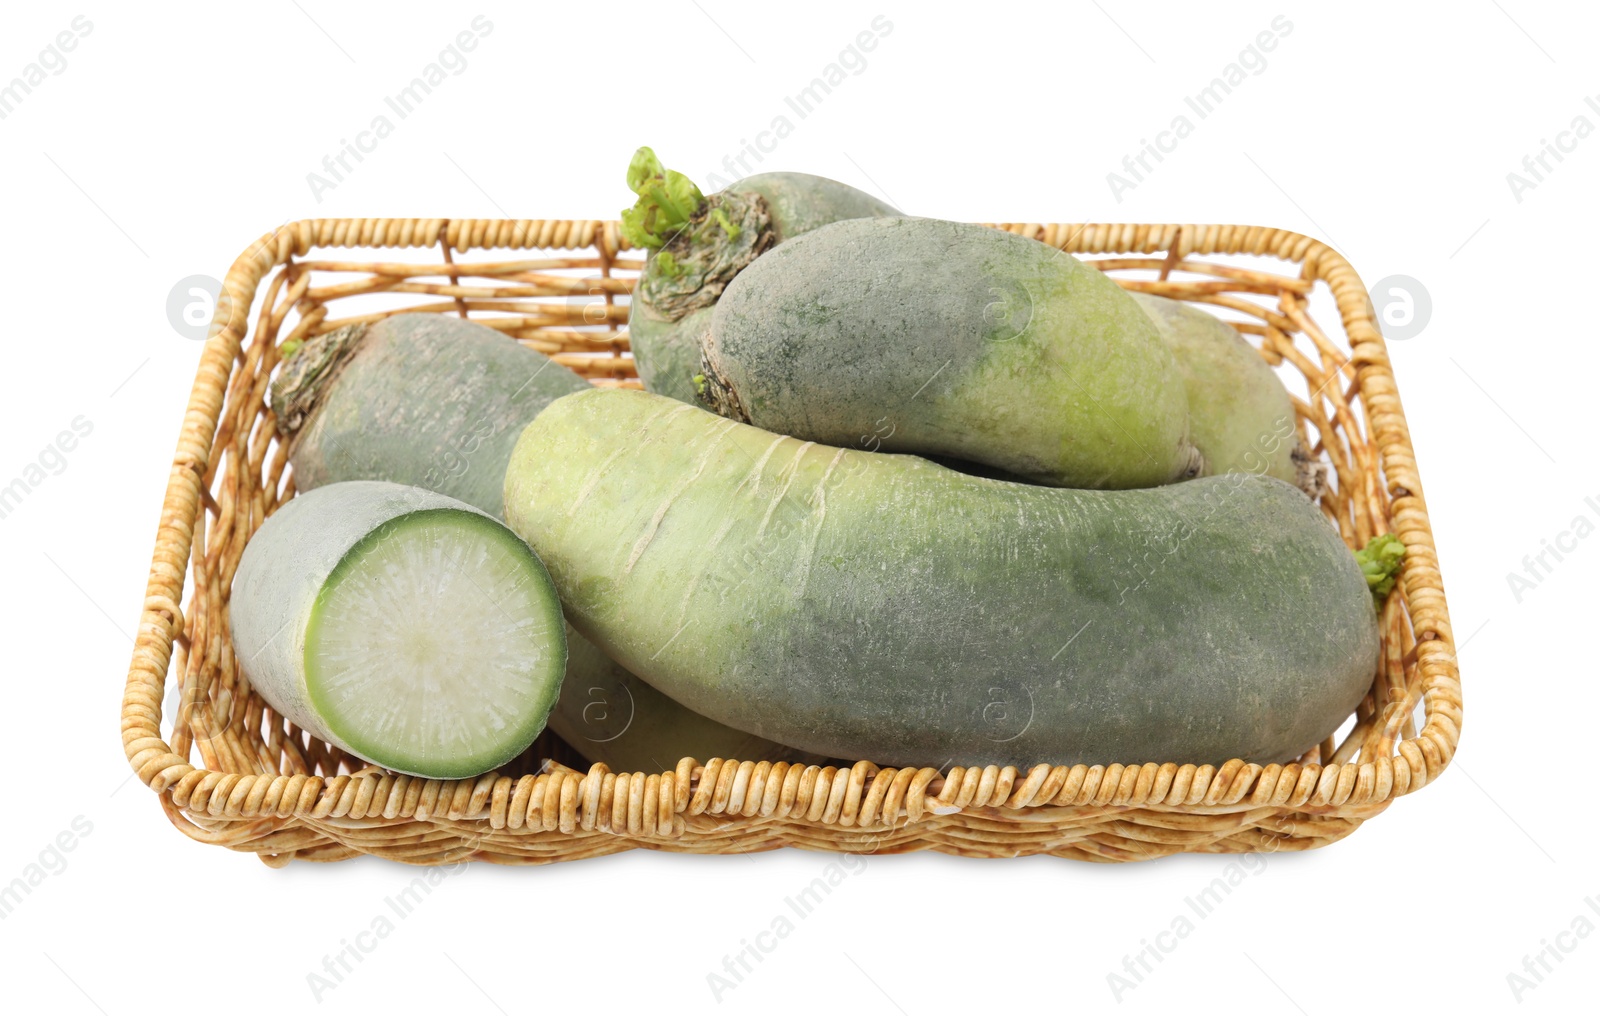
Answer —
(406, 627)
(429, 646)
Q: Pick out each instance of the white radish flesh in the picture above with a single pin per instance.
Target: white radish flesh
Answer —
(404, 626)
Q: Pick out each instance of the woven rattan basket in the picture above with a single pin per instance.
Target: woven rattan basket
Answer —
(233, 773)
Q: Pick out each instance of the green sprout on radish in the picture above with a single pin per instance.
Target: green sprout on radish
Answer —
(668, 202)
(1380, 562)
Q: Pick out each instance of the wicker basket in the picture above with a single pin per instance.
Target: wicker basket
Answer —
(265, 786)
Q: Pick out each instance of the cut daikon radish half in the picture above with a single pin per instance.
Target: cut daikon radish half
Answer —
(406, 627)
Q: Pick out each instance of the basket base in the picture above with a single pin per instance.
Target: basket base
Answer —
(1105, 835)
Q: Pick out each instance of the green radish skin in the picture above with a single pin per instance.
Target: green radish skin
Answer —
(438, 402)
(420, 399)
(403, 626)
(609, 715)
(670, 312)
(1240, 416)
(882, 607)
(800, 202)
(666, 353)
(946, 338)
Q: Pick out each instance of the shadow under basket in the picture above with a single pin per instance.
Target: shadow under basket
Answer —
(232, 772)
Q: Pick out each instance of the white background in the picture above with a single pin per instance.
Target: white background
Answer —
(171, 141)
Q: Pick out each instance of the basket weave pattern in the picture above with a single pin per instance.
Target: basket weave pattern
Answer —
(234, 773)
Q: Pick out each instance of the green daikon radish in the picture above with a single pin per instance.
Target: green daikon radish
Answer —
(403, 626)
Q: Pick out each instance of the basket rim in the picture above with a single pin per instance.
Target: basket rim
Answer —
(1328, 789)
